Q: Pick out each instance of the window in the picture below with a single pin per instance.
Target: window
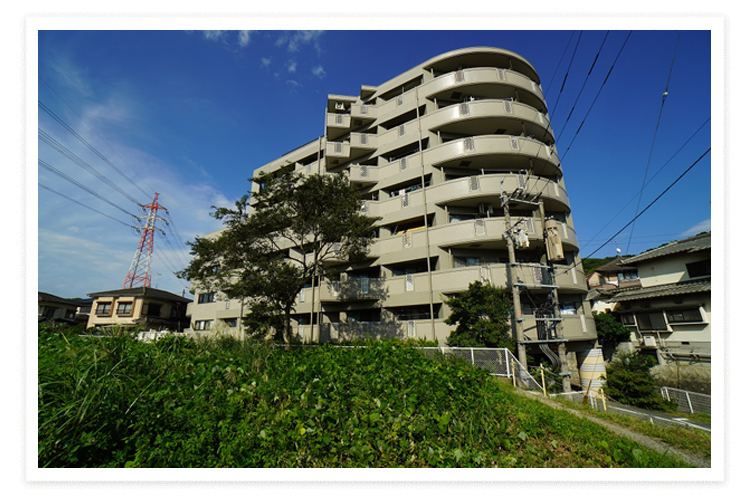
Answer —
(124, 308)
(701, 268)
(48, 312)
(568, 308)
(203, 324)
(628, 319)
(207, 297)
(104, 308)
(152, 309)
(70, 313)
(651, 321)
(692, 315)
(231, 322)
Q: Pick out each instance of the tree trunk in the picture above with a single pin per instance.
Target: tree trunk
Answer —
(288, 327)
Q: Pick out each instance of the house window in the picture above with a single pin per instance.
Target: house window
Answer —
(104, 308)
(204, 298)
(651, 321)
(692, 315)
(231, 322)
(203, 324)
(153, 309)
(48, 312)
(70, 313)
(124, 308)
(628, 319)
(701, 268)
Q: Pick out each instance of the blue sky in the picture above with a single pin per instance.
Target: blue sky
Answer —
(191, 114)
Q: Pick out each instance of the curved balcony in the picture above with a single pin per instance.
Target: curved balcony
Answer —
(485, 116)
(493, 151)
(486, 82)
(484, 234)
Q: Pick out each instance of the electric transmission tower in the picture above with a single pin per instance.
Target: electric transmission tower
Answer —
(139, 273)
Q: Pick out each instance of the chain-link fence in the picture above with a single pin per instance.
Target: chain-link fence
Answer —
(688, 402)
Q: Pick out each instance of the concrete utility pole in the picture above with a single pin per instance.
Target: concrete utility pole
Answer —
(516, 325)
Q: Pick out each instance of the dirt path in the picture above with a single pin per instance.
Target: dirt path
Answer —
(646, 441)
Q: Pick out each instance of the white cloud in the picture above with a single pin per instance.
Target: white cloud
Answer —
(243, 38)
(293, 83)
(319, 71)
(291, 66)
(265, 62)
(214, 35)
(698, 228)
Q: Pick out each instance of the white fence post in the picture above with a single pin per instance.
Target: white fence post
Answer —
(690, 405)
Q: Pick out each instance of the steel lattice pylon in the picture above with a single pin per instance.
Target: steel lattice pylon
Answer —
(139, 273)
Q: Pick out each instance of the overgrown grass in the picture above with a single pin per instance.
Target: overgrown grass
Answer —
(115, 402)
(685, 439)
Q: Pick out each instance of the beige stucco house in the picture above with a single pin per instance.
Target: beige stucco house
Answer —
(144, 307)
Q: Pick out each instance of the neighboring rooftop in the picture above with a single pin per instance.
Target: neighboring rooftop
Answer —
(663, 291)
(48, 297)
(688, 245)
(615, 265)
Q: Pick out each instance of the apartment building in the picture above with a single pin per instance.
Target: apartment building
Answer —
(458, 159)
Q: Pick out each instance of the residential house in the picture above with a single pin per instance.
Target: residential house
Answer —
(144, 307)
(670, 314)
(57, 309)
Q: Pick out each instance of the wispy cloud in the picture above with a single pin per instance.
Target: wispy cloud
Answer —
(291, 66)
(243, 38)
(214, 35)
(698, 228)
(293, 83)
(265, 62)
(319, 71)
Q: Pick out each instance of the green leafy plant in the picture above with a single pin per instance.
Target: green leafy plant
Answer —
(610, 332)
(629, 381)
(482, 317)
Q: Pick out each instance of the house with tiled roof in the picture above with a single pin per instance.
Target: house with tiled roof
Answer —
(670, 313)
(56, 309)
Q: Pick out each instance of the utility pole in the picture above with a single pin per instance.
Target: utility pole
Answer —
(516, 324)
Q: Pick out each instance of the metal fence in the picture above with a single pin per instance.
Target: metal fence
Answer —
(688, 402)
(500, 362)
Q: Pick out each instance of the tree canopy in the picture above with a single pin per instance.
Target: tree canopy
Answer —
(283, 238)
(482, 317)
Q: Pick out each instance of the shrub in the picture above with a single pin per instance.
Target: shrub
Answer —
(481, 315)
(629, 381)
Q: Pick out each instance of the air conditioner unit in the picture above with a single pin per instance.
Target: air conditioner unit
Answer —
(340, 106)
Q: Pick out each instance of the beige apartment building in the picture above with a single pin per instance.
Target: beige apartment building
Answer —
(458, 159)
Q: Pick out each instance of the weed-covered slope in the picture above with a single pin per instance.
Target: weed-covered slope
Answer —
(177, 403)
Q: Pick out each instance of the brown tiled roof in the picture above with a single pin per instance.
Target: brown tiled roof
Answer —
(616, 265)
(141, 291)
(689, 245)
(651, 292)
(48, 297)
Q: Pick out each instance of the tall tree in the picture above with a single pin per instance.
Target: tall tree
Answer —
(482, 317)
(281, 242)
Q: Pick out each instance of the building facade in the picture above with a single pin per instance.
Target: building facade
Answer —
(142, 307)
(458, 160)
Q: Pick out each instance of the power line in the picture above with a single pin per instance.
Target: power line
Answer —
(651, 179)
(78, 161)
(565, 79)
(75, 182)
(641, 212)
(90, 127)
(593, 64)
(92, 148)
(86, 206)
(656, 131)
(561, 60)
(601, 87)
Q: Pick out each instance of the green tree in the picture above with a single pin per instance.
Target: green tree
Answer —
(284, 240)
(610, 332)
(629, 381)
(482, 315)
